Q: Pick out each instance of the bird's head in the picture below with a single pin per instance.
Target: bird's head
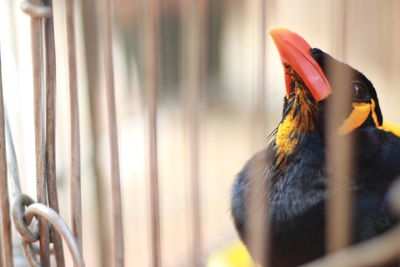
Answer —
(312, 77)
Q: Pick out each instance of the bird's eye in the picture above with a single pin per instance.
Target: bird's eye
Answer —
(360, 92)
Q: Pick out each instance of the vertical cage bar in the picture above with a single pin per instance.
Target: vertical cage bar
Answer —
(90, 14)
(257, 229)
(262, 68)
(151, 72)
(339, 161)
(6, 240)
(259, 119)
(41, 184)
(50, 130)
(193, 72)
(76, 202)
(118, 239)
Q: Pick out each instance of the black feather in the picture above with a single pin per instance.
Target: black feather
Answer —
(298, 188)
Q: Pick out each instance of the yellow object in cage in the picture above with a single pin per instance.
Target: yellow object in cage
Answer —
(232, 255)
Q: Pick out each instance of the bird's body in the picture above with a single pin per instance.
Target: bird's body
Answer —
(295, 168)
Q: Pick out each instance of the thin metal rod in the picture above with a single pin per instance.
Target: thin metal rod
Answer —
(259, 117)
(12, 162)
(377, 251)
(37, 62)
(50, 130)
(6, 240)
(118, 238)
(257, 227)
(193, 71)
(257, 231)
(91, 36)
(76, 201)
(150, 61)
(50, 215)
(263, 68)
(339, 161)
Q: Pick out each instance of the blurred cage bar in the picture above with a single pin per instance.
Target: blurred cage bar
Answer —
(185, 86)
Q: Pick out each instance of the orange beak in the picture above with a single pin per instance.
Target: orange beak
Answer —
(295, 51)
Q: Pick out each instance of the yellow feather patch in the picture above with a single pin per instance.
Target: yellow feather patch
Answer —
(299, 120)
(386, 126)
(233, 255)
(293, 126)
(391, 128)
(283, 141)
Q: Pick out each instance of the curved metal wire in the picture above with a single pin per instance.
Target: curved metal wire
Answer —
(30, 254)
(18, 213)
(375, 252)
(36, 11)
(23, 217)
(38, 209)
(12, 163)
(31, 251)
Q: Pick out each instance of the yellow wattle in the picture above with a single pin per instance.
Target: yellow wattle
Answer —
(356, 118)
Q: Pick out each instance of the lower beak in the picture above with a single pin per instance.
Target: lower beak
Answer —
(295, 51)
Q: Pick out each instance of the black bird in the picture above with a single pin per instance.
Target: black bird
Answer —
(294, 162)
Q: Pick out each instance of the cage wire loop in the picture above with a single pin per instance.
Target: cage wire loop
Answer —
(23, 216)
(36, 248)
(32, 251)
(22, 201)
(38, 209)
(35, 10)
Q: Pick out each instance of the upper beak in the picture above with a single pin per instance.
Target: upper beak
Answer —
(295, 51)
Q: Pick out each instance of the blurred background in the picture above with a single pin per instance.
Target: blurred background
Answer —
(238, 102)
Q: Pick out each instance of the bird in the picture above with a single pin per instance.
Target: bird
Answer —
(294, 163)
